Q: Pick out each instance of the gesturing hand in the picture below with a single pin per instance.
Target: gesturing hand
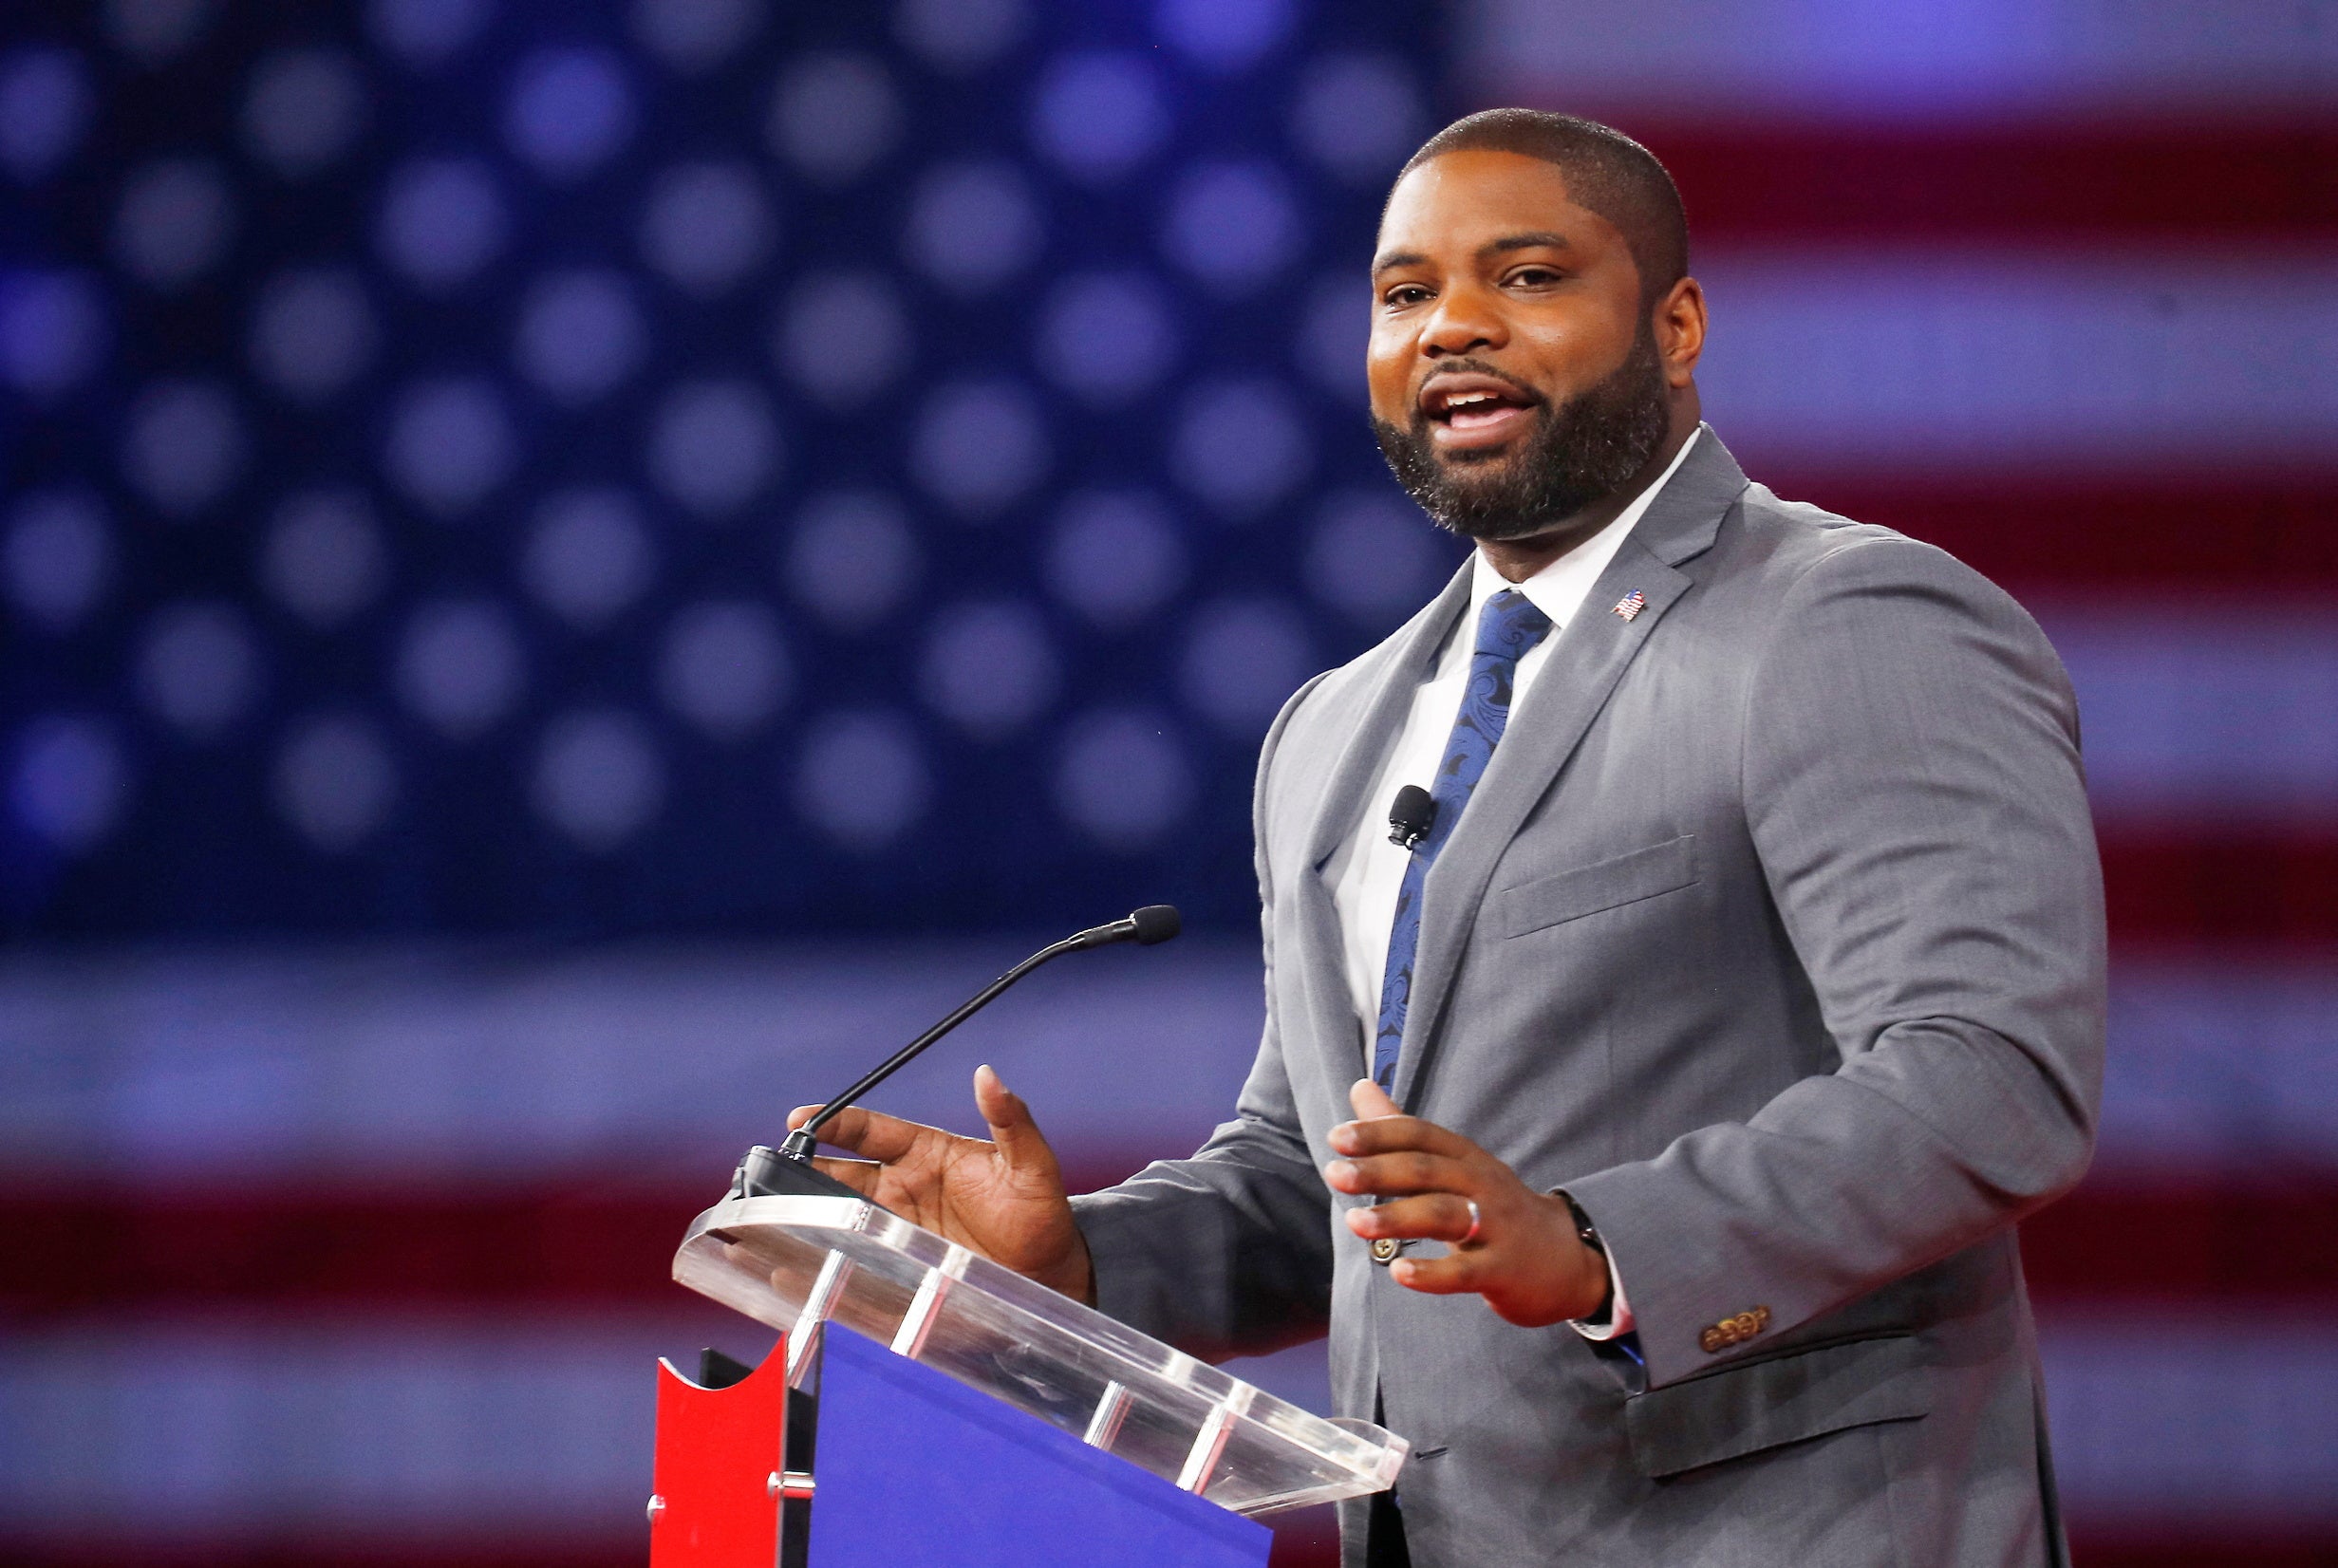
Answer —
(1002, 1198)
(1525, 1260)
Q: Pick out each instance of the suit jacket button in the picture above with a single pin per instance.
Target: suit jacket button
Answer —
(1385, 1249)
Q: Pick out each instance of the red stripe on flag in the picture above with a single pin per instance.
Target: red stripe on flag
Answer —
(2112, 1242)
(2226, 533)
(297, 1246)
(424, 1549)
(2272, 891)
(74, 1250)
(77, 1246)
(2054, 181)
(2241, 1547)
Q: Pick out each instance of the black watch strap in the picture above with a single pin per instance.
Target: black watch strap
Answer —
(1588, 1234)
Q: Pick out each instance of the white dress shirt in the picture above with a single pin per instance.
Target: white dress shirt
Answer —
(1368, 870)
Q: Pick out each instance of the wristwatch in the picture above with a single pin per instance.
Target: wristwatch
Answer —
(1588, 1234)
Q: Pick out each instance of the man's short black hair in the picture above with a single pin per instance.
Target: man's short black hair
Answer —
(1606, 170)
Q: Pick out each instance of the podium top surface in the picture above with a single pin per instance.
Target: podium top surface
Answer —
(792, 1262)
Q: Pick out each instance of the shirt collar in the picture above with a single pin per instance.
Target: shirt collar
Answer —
(1559, 589)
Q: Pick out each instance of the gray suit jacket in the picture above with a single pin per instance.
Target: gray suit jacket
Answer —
(1774, 934)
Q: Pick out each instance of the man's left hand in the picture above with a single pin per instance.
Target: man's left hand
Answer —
(1525, 1260)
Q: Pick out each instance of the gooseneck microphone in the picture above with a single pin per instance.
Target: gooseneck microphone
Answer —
(1411, 816)
(788, 1168)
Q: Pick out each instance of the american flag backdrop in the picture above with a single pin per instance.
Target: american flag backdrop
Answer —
(574, 572)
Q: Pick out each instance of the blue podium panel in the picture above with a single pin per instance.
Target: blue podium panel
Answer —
(915, 1467)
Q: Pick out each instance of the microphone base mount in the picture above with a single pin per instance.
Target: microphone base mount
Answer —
(767, 1172)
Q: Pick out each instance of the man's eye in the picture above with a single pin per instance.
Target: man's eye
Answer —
(1535, 277)
(1407, 293)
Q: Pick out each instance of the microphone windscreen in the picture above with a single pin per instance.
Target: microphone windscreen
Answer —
(1413, 810)
(1155, 923)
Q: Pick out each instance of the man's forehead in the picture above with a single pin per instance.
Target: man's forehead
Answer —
(1474, 196)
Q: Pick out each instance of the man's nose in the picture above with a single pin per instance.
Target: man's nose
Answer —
(1462, 320)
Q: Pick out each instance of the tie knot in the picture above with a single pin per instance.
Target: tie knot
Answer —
(1509, 625)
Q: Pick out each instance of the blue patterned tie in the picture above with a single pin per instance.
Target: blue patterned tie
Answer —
(1507, 627)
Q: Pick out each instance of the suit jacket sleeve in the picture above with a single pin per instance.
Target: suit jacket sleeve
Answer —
(1912, 785)
(1228, 1252)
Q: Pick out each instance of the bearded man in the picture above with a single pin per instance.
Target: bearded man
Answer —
(1646, 1118)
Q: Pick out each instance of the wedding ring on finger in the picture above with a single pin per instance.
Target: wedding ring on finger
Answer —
(1472, 1234)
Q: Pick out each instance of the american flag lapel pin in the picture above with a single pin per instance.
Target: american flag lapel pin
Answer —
(1629, 606)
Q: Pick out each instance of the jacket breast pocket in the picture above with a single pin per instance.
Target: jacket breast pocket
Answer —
(1743, 1411)
(1602, 884)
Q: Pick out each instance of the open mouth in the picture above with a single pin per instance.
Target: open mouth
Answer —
(1469, 410)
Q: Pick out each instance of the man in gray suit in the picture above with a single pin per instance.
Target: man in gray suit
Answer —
(1649, 1126)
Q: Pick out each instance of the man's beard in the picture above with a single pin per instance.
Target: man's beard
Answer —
(1587, 448)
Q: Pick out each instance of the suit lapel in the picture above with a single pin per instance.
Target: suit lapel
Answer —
(1591, 656)
(1376, 702)
(1383, 697)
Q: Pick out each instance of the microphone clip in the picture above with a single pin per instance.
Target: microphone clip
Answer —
(1411, 816)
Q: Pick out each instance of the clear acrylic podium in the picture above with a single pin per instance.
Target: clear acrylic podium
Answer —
(975, 1354)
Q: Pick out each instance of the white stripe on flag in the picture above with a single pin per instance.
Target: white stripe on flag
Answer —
(1815, 59)
(1882, 358)
(663, 1064)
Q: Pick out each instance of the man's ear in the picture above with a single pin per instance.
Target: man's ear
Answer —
(1679, 325)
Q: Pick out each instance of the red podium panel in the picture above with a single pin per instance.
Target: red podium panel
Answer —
(717, 1503)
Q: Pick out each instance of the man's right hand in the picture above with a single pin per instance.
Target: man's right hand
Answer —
(1002, 1198)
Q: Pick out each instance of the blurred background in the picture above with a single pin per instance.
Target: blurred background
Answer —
(575, 571)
